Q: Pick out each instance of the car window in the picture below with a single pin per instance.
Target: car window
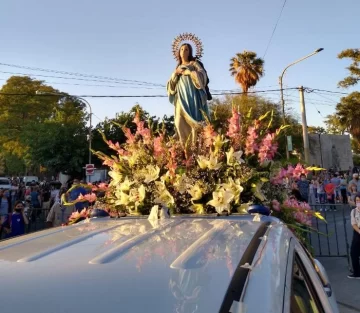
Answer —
(4, 182)
(303, 294)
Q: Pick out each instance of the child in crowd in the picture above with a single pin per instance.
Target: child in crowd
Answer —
(15, 224)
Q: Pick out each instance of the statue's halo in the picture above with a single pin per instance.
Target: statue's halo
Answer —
(187, 38)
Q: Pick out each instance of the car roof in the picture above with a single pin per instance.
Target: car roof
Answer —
(181, 264)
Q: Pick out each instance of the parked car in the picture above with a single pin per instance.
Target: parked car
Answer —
(5, 183)
(180, 264)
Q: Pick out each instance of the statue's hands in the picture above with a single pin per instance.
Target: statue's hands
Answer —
(179, 71)
(187, 72)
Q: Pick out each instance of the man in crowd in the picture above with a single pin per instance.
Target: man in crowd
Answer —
(355, 181)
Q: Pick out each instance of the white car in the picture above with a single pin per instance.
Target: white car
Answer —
(184, 264)
(5, 183)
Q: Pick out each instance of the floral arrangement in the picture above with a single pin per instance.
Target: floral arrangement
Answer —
(221, 172)
(218, 173)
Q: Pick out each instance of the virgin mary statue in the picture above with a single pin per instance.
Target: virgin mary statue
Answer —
(187, 90)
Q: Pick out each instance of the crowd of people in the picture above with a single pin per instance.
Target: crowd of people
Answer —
(328, 188)
(21, 204)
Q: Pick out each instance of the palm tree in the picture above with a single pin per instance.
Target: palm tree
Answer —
(247, 69)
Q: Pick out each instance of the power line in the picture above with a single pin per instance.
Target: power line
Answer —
(327, 91)
(93, 85)
(73, 78)
(136, 96)
(79, 74)
(273, 32)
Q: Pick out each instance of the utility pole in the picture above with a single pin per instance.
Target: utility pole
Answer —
(282, 92)
(304, 125)
(283, 115)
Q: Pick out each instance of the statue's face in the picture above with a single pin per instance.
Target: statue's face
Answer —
(184, 53)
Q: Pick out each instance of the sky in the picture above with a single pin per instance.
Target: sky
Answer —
(131, 40)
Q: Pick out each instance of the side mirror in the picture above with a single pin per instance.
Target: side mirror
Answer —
(320, 270)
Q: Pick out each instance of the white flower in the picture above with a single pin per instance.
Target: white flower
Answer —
(221, 200)
(180, 183)
(125, 185)
(196, 192)
(231, 155)
(151, 173)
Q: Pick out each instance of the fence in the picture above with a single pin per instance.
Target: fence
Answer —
(333, 237)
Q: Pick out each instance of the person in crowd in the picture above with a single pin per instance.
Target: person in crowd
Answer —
(352, 192)
(355, 244)
(295, 193)
(59, 214)
(15, 224)
(35, 197)
(5, 207)
(312, 192)
(343, 189)
(303, 185)
(330, 195)
(355, 181)
(46, 196)
(336, 181)
(55, 192)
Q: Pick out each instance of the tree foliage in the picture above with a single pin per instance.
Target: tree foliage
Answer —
(316, 130)
(348, 113)
(40, 130)
(334, 125)
(247, 69)
(354, 69)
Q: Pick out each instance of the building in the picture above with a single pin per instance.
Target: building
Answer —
(331, 151)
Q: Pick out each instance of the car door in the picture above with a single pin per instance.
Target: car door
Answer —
(304, 292)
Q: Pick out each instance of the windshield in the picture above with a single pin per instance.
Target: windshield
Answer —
(4, 182)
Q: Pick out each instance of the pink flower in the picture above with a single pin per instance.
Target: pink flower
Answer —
(129, 136)
(91, 197)
(158, 146)
(81, 197)
(234, 124)
(276, 205)
(109, 162)
(141, 129)
(251, 145)
(290, 171)
(268, 148)
(172, 165)
(209, 134)
(103, 186)
(298, 170)
(113, 146)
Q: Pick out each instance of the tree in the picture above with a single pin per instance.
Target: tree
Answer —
(354, 69)
(247, 69)
(45, 131)
(316, 130)
(334, 125)
(17, 111)
(348, 113)
(60, 142)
